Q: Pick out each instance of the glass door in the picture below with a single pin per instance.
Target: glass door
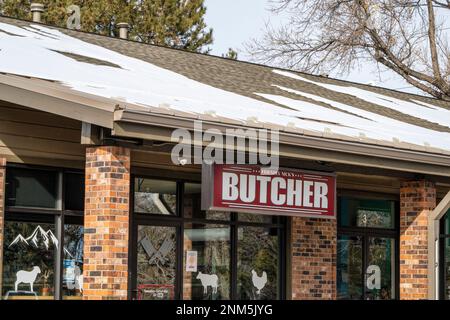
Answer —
(350, 267)
(380, 269)
(367, 260)
(366, 268)
(156, 262)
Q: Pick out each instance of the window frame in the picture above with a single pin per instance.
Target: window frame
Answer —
(32, 214)
(442, 268)
(179, 220)
(367, 232)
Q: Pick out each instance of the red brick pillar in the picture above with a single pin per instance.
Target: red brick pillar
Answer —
(313, 260)
(2, 213)
(417, 200)
(106, 223)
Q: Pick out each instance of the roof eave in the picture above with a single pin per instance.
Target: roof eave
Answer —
(53, 98)
(159, 126)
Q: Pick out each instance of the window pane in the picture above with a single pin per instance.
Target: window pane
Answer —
(73, 262)
(447, 223)
(380, 273)
(258, 273)
(31, 188)
(156, 263)
(367, 213)
(349, 267)
(447, 268)
(192, 204)
(155, 196)
(74, 191)
(257, 218)
(28, 262)
(206, 262)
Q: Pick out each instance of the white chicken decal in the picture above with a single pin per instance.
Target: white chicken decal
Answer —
(259, 282)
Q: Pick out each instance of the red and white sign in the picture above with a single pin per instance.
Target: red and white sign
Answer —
(249, 188)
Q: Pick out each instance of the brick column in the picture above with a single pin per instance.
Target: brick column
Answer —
(313, 260)
(2, 214)
(106, 223)
(417, 200)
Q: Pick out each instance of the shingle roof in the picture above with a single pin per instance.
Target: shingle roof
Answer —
(329, 106)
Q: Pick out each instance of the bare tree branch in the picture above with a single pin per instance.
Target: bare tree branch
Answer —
(405, 36)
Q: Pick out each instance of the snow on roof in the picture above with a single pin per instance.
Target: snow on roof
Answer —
(47, 53)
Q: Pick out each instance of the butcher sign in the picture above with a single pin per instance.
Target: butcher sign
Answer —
(254, 189)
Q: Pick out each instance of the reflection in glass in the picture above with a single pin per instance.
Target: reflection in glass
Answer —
(380, 273)
(447, 268)
(73, 262)
(207, 278)
(156, 263)
(74, 191)
(155, 196)
(258, 253)
(349, 267)
(192, 204)
(31, 188)
(28, 262)
(445, 235)
(367, 213)
(256, 218)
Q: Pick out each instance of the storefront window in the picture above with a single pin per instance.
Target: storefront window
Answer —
(31, 188)
(156, 263)
(208, 278)
(349, 267)
(256, 218)
(258, 263)
(73, 262)
(445, 257)
(367, 258)
(367, 213)
(205, 255)
(192, 204)
(74, 191)
(29, 260)
(32, 247)
(447, 268)
(155, 196)
(380, 272)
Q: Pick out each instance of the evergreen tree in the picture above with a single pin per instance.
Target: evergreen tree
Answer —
(231, 54)
(175, 23)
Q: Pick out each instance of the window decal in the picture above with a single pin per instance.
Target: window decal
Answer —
(39, 235)
(208, 280)
(27, 277)
(373, 277)
(259, 282)
(76, 280)
(157, 255)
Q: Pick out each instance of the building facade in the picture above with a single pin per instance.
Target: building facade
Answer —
(92, 206)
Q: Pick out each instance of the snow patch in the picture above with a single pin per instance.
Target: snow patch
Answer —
(42, 52)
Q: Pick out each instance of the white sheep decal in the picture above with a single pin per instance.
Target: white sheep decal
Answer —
(29, 277)
(208, 280)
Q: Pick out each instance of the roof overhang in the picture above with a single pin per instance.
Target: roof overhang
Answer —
(57, 99)
(159, 126)
(133, 121)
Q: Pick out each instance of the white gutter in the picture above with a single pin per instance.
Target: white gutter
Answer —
(433, 246)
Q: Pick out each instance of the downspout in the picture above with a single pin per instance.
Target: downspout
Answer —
(433, 246)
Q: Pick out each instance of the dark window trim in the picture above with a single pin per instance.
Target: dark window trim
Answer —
(367, 233)
(442, 259)
(179, 222)
(36, 215)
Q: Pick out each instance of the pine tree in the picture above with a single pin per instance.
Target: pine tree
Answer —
(175, 23)
(231, 54)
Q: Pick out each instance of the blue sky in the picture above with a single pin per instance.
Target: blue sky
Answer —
(237, 21)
